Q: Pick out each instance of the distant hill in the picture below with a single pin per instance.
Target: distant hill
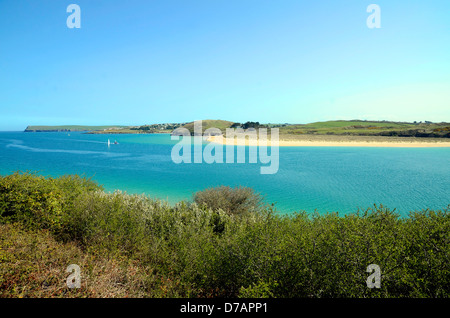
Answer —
(342, 128)
(333, 127)
(222, 125)
(68, 128)
(370, 128)
(210, 123)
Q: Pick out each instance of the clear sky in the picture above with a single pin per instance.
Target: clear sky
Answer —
(152, 61)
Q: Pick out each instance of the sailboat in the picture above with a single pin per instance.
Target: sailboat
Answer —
(109, 143)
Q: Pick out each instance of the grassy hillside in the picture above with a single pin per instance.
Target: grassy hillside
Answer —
(347, 128)
(370, 128)
(209, 123)
(133, 246)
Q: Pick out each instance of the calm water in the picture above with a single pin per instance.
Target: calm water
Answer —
(324, 178)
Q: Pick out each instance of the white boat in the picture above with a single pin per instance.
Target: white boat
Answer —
(109, 143)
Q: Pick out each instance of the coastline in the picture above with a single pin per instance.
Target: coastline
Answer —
(344, 141)
(118, 132)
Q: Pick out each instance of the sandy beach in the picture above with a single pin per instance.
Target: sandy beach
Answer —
(344, 141)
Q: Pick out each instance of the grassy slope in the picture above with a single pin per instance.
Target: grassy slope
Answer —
(367, 128)
(348, 127)
(33, 263)
(210, 123)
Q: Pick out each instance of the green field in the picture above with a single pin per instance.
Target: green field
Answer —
(370, 128)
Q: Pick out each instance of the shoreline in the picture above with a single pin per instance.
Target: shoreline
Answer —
(124, 133)
(344, 141)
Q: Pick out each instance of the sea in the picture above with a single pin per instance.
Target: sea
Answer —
(311, 179)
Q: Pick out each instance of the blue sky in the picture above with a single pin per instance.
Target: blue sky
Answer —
(141, 62)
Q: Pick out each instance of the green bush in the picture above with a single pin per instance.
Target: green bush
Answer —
(36, 200)
(234, 201)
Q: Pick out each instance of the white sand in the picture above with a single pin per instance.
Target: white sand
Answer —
(370, 142)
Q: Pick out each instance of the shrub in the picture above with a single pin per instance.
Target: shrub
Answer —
(233, 201)
(38, 201)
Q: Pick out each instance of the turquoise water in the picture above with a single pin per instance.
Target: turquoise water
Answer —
(324, 178)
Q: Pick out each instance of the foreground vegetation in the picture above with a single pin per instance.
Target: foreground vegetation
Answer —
(133, 246)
